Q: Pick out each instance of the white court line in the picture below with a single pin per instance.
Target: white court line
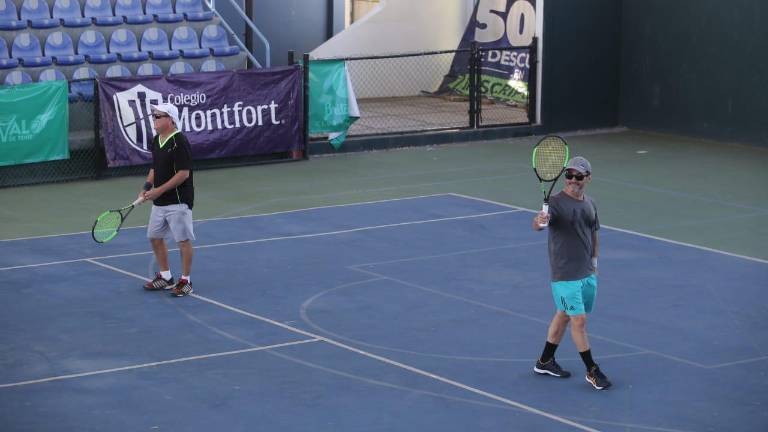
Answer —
(249, 216)
(159, 363)
(293, 237)
(625, 231)
(390, 362)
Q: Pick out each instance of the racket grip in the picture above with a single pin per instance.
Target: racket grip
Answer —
(545, 209)
(138, 201)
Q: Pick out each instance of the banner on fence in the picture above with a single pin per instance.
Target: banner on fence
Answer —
(34, 123)
(223, 114)
(332, 103)
(496, 26)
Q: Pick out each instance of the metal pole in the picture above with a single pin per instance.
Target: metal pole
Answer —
(305, 65)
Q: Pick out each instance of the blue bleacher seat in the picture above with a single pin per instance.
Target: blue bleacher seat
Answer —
(38, 14)
(6, 62)
(123, 43)
(70, 13)
(193, 10)
(162, 10)
(149, 69)
(26, 48)
(93, 46)
(9, 16)
(185, 40)
(132, 11)
(101, 12)
(155, 41)
(17, 77)
(116, 71)
(57, 75)
(214, 37)
(59, 46)
(180, 67)
(211, 65)
(84, 89)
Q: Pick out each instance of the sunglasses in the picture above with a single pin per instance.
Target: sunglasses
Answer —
(578, 177)
(158, 116)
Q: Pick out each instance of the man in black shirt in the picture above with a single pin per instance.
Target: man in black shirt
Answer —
(169, 184)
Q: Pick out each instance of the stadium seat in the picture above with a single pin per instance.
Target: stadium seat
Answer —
(6, 62)
(116, 71)
(84, 89)
(147, 69)
(193, 10)
(70, 13)
(132, 11)
(57, 75)
(27, 49)
(180, 67)
(9, 17)
(59, 46)
(211, 65)
(38, 14)
(162, 10)
(123, 43)
(101, 12)
(185, 40)
(214, 37)
(17, 77)
(93, 46)
(155, 41)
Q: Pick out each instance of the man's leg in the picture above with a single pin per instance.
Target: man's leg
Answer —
(185, 247)
(161, 253)
(546, 363)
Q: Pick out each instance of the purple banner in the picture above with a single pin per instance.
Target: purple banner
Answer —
(223, 114)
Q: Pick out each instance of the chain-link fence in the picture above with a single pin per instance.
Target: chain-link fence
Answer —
(441, 90)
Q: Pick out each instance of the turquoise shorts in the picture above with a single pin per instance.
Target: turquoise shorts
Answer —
(575, 297)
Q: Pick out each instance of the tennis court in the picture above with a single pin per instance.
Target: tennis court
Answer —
(399, 290)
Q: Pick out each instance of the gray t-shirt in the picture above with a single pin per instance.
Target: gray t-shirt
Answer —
(571, 225)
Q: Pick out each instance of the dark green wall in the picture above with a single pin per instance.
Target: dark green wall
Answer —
(580, 87)
(696, 67)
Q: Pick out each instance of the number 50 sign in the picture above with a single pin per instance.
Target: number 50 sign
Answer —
(519, 26)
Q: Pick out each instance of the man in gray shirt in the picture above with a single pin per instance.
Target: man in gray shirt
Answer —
(573, 251)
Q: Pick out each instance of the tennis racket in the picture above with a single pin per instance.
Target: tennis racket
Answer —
(549, 158)
(108, 223)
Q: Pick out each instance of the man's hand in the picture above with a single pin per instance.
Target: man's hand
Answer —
(542, 218)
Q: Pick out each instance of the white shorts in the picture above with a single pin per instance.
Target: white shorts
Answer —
(175, 219)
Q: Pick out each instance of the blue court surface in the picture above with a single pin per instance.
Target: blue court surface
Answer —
(417, 314)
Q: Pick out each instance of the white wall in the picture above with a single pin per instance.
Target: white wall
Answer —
(396, 27)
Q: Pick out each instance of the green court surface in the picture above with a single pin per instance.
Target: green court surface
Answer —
(693, 191)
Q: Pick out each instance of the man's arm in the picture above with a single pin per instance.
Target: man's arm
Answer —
(595, 249)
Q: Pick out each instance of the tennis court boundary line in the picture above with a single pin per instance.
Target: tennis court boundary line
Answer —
(157, 363)
(313, 337)
(626, 231)
(247, 216)
(268, 239)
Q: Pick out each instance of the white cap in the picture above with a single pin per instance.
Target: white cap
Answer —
(169, 109)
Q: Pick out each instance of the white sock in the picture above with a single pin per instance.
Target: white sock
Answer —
(166, 274)
(186, 277)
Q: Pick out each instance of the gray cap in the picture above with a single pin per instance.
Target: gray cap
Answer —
(580, 164)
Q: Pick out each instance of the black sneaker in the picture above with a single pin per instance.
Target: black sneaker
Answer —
(158, 283)
(597, 378)
(550, 368)
(183, 288)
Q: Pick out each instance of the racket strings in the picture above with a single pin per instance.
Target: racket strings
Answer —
(550, 158)
(106, 226)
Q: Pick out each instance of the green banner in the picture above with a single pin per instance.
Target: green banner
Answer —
(332, 104)
(34, 123)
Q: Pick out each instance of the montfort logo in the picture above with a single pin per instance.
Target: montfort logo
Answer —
(133, 109)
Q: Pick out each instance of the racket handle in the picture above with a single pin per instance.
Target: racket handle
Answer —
(545, 209)
(138, 201)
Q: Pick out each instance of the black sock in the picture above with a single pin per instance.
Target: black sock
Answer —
(548, 353)
(586, 356)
